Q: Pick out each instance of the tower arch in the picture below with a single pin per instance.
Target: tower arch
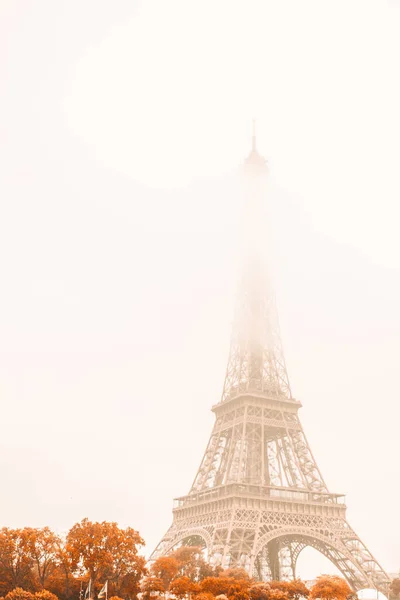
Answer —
(188, 538)
(298, 538)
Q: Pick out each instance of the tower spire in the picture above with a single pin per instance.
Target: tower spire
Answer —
(256, 360)
(255, 157)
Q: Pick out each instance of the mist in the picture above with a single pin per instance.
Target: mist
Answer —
(121, 131)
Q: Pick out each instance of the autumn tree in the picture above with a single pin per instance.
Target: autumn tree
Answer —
(182, 586)
(15, 560)
(151, 586)
(330, 587)
(61, 580)
(19, 594)
(166, 568)
(42, 547)
(277, 594)
(216, 585)
(297, 589)
(106, 552)
(259, 591)
(192, 563)
(271, 590)
(239, 589)
(45, 595)
(394, 590)
(240, 595)
(235, 573)
(205, 596)
(282, 586)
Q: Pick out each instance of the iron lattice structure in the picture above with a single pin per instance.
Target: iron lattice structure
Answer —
(259, 498)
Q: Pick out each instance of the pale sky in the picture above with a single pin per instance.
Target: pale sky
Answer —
(121, 126)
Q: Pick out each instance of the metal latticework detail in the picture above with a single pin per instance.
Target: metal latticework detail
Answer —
(256, 362)
(258, 498)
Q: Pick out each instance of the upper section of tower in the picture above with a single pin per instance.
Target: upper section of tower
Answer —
(256, 362)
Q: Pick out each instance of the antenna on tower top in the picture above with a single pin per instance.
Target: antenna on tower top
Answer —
(254, 135)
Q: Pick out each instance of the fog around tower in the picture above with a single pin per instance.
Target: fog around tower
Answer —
(122, 127)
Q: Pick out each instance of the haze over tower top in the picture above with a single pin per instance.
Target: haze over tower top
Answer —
(254, 157)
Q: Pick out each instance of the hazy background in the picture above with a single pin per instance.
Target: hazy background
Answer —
(120, 125)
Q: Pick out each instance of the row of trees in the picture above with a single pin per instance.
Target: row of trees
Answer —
(184, 573)
(37, 564)
(38, 559)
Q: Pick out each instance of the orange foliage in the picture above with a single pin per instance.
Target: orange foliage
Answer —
(215, 585)
(235, 573)
(191, 563)
(42, 547)
(15, 560)
(45, 595)
(205, 596)
(395, 588)
(330, 587)
(294, 590)
(19, 594)
(105, 551)
(149, 585)
(239, 589)
(166, 568)
(182, 586)
(277, 594)
(297, 589)
(259, 591)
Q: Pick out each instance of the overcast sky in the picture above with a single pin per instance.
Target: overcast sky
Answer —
(121, 126)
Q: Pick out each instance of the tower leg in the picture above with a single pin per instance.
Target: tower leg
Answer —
(287, 561)
(273, 553)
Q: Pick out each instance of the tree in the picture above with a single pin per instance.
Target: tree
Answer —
(239, 589)
(191, 563)
(205, 596)
(272, 590)
(106, 552)
(42, 546)
(61, 580)
(130, 584)
(19, 594)
(394, 590)
(182, 586)
(259, 591)
(166, 568)
(45, 595)
(235, 573)
(277, 594)
(240, 595)
(15, 560)
(297, 589)
(330, 587)
(152, 586)
(216, 585)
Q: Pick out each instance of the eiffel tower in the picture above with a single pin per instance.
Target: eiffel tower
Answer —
(259, 498)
